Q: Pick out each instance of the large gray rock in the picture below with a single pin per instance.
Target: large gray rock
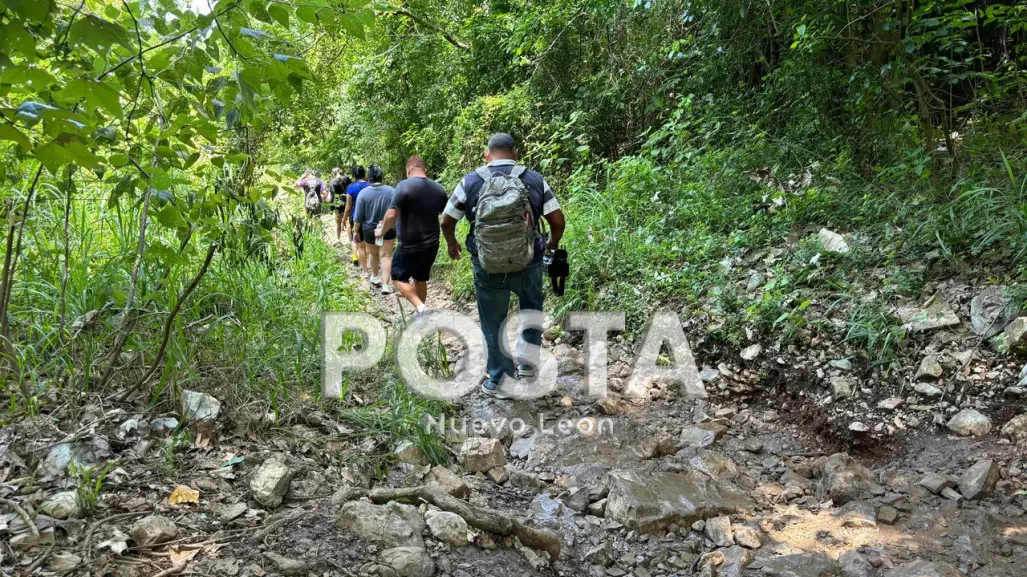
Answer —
(714, 464)
(649, 503)
(978, 481)
(853, 564)
(991, 310)
(841, 387)
(200, 407)
(446, 481)
(1013, 337)
(153, 530)
(394, 524)
(736, 559)
(83, 455)
(801, 565)
(703, 436)
(832, 241)
(479, 454)
(936, 483)
(1016, 429)
(718, 530)
(923, 569)
(447, 527)
(969, 422)
(407, 562)
(842, 479)
(930, 367)
(935, 316)
(270, 482)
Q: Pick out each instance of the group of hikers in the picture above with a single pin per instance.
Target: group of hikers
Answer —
(505, 204)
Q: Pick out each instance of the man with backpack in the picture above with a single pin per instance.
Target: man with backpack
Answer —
(313, 192)
(504, 203)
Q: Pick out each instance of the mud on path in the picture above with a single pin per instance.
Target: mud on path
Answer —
(733, 485)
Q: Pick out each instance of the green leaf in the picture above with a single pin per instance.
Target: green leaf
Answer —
(279, 13)
(53, 156)
(99, 34)
(8, 132)
(96, 95)
(307, 14)
(171, 217)
(14, 38)
(352, 25)
(35, 10)
(118, 159)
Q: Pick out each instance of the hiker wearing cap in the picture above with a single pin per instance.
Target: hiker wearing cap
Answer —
(504, 203)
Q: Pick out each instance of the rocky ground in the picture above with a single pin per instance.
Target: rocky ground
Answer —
(793, 467)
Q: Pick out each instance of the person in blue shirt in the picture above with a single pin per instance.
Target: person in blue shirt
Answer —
(359, 176)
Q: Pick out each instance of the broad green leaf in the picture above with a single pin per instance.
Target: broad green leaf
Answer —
(257, 10)
(15, 39)
(118, 159)
(352, 25)
(95, 94)
(279, 13)
(53, 156)
(8, 132)
(29, 77)
(171, 217)
(35, 10)
(307, 14)
(99, 34)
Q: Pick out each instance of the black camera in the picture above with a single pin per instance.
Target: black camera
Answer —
(559, 270)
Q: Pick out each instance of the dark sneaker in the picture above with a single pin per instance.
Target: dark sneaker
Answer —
(490, 389)
(526, 372)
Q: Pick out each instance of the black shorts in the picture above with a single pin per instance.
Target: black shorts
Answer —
(414, 264)
(339, 208)
(367, 234)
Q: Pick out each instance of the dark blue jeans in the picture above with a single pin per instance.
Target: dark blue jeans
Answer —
(493, 294)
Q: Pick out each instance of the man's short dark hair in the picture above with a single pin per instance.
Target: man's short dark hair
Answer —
(415, 162)
(502, 141)
(358, 172)
(375, 174)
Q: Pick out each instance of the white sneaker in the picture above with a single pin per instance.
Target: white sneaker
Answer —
(376, 281)
(388, 289)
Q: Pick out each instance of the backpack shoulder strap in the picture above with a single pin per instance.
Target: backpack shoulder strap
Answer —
(518, 171)
(483, 172)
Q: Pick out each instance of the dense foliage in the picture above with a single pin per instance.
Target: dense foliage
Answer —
(686, 136)
(148, 149)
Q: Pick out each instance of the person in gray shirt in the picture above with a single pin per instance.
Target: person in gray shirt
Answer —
(372, 204)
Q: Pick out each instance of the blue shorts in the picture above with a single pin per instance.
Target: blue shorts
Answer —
(414, 264)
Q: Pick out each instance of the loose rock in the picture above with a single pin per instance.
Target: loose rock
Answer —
(969, 422)
(446, 481)
(978, 481)
(652, 502)
(930, 367)
(1016, 429)
(747, 537)
(392, 525)
(285, 565)
(153, 530)
(991, 310)
(200, 407)
(718, 530)
(478, 454)
(270, 482)
(833, 242)
(447, 527)
(936, 483)
(923, 569)
(407, 562)
(750, 352)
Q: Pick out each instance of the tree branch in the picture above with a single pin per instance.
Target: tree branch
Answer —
(422, 22)
(168, 322)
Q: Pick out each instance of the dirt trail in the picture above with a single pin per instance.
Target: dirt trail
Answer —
(732, 485)
(807, 502)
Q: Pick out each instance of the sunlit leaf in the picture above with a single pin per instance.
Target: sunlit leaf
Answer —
(171, 217)
(99, 34)
(8, 132)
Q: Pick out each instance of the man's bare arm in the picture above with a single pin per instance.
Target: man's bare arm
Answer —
(449, 233)
(388, 221)
(557, 224)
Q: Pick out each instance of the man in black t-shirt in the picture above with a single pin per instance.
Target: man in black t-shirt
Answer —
(417, 204)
